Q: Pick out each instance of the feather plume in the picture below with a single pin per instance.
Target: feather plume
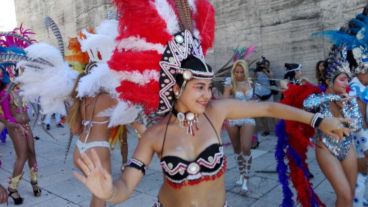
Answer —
(122, 114)
(52, 84)
(100, 46)
(168, 14)
(100, 78)
(50, 23)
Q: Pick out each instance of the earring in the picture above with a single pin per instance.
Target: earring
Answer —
(176, 93)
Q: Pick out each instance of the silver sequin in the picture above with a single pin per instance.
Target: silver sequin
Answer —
(321, 103)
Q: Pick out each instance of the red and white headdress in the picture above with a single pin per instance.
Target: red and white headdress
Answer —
(149, 31)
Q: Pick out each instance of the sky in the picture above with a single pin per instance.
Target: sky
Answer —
(7, 15)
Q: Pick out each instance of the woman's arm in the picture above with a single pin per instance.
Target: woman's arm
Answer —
(99, 181)
(5, 106)
(233, 109)
(126, 184)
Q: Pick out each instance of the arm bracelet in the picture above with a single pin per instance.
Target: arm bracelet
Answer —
(316, 120)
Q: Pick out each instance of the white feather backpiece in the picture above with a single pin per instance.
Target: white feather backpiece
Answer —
(51, 84)
(101, 45)
(100, 78)
(122, 114)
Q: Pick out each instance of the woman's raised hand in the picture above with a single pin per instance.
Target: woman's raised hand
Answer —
(94, 176)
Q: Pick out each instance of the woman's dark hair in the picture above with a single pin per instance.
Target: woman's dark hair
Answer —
(290, 75)
(193, 63)
(320, 76)
(262, 64)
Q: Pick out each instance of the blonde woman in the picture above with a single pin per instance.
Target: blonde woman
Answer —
(241, 130)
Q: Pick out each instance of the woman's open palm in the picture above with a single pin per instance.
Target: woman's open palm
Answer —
(94, 176)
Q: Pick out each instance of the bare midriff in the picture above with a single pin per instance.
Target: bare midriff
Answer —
(207, 193)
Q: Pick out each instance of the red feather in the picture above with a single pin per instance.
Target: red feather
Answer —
(205, 23)
(135, 61)
(146, 95)
(140, 18)
(299, 135)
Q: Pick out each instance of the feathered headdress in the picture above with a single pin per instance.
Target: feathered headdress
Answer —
(336, 64)
(47, 76)
(12, 46)
(354, 37)
(99, 46)
(149, 33)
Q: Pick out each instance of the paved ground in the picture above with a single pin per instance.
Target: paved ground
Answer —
(61, 189)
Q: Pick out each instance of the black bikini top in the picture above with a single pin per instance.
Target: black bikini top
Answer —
(209, 165)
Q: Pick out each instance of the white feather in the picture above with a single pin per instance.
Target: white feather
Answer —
(51, 84)
(139, 44)
(45, 51)
(122, 114)
(97, 43)
(109, 28)
(100, 78)
(138, 77)
(102, 42)
(168, 15)
(192, 5)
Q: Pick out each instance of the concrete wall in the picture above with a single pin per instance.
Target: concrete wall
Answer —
(281, 29)
(70, 15)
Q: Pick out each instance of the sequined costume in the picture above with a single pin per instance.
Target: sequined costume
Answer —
(239, 95)
(321, 103)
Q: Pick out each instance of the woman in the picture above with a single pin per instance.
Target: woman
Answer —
(241, 130)
(17, 121)
(186, 140)
(337, 160)
(320, 67)
(175, 81)
(293, 75)
(92, 129)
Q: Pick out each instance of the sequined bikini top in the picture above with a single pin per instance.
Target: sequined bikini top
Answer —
(209, 165)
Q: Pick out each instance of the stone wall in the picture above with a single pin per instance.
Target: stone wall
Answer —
(281, 29)
(70, 15)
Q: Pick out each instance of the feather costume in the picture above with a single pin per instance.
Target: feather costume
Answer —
(139, 50)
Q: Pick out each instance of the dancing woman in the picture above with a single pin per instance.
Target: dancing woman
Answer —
(241, 130)
(337, 159)
(186, 139)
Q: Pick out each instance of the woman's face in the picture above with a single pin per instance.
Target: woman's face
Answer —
(321, 67)
(239, 73)
(196, 96)
(340, 84)
(298, 74)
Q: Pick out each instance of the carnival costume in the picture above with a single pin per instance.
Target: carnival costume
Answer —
(295, 138)
(239, 95)
(244, 161)
(90, 52)
(149, 64)
(12, 46)
(354, 36)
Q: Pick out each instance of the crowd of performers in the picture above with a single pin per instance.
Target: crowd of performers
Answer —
(147, 69)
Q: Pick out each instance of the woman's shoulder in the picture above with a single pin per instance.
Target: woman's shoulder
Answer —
(155, 133)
